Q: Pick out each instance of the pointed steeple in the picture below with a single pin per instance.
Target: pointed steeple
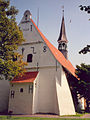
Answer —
(62, 36)
(62, 40)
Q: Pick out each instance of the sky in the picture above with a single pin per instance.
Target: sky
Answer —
(77, 23)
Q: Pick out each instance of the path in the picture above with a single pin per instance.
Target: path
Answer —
(53, 116)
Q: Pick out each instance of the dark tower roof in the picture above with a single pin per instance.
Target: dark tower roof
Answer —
(62, 36)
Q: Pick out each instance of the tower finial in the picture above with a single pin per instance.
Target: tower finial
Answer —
(63, 10)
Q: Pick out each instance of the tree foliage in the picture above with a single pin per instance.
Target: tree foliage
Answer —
(85, 8)
(10, 38)
(83, 73)
(85, 50)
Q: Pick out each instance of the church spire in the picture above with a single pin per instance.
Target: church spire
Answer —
(62, 40)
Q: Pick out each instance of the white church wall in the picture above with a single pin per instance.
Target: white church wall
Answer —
(22, 101)
(40, 57)
(65, 101)
(35, 48)
(53, 97)
(34, 45)
(28, 49)
(4, 93)
(46, 91)
(46, 57)
(35, 95)
(47, 101)
(28, 33)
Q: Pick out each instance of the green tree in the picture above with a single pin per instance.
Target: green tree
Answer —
(83, 87)
(87, 48)
(10, 38)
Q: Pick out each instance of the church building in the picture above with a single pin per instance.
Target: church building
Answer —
(44, 88)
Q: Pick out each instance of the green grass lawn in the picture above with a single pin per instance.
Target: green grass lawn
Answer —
(38, 118)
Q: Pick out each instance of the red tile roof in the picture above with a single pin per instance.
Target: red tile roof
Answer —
(57, 54)
(27, 77)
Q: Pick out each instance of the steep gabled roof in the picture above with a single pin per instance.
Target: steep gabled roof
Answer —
(27, 77)
(57, 54)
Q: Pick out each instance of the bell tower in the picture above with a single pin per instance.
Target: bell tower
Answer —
(62, 40)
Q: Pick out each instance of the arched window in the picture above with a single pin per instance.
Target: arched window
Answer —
(21, 89)
(29, 57)
(63, 44)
